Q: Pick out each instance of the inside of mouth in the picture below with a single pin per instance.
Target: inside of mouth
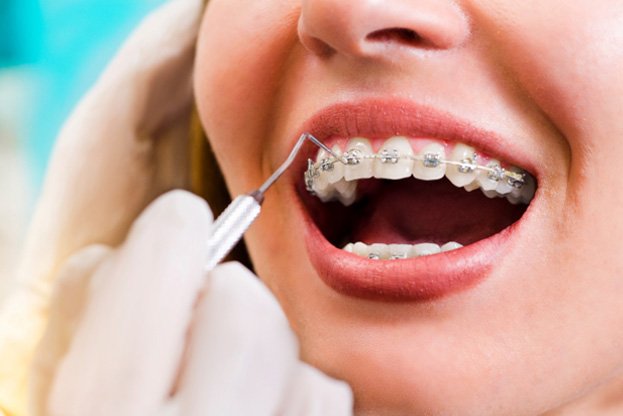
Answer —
(412, 211)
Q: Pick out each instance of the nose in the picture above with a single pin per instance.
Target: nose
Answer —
(369, 28)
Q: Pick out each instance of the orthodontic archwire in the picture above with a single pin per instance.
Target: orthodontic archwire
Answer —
(236, 219)
(354, 157)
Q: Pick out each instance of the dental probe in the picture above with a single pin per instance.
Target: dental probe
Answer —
(236, 219)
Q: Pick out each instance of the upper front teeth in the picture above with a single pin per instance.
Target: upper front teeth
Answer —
(429, 167)
(359, 160)
(330, 178)
(393, 160)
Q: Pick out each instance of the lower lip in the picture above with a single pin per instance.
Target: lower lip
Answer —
(418, 279)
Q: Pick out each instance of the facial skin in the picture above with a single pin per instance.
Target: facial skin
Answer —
(544, 333)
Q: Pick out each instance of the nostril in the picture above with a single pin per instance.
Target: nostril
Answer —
(400, 35)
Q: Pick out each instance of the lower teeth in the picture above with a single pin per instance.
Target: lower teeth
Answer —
(380, 251)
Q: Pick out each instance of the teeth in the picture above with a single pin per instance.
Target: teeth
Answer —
(346, 191)
(400, 251)
(464, 173)
(488, 179)
(503, 187)
(452, 245)
(507, 186)
(426, 249)
(321, 183)
(334, 171)
(514, 199)
(378, 251)
(326, 194)
(472, 186)
(324, 165)
(527, 191)
(491, 194)
(430, 167)
(361, 249)
(359, 158)
(332, 179)
(394, 159)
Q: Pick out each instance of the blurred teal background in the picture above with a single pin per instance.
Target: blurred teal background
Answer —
(54, 50)
(51, 51)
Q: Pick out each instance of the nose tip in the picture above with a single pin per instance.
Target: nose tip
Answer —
(367, 28)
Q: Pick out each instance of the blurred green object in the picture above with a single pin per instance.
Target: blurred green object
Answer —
(61, 46)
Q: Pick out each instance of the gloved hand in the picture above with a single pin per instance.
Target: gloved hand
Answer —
(141, 330)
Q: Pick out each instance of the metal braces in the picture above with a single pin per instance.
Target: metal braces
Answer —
(353, 157)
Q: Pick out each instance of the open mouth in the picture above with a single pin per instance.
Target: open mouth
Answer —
(410, 203)
(404, 197)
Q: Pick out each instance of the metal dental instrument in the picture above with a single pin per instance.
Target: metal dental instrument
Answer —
(236, 219)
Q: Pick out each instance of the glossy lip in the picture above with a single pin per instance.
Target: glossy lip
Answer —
(422, 278)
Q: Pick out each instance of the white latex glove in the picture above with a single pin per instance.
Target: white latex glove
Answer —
(125, 143)
(141, 330)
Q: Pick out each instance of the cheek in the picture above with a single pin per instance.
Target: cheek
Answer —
(567, 55)
(239, 59)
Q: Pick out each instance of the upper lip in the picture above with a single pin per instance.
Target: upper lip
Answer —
(382, 118)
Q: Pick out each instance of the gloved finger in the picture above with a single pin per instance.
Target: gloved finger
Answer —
(66, 306)
(242, 352)
(312, 393)
(126, 350)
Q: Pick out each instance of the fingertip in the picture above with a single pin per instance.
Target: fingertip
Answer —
(180, 209)
(241, 346)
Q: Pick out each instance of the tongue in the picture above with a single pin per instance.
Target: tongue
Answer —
(411, 211)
